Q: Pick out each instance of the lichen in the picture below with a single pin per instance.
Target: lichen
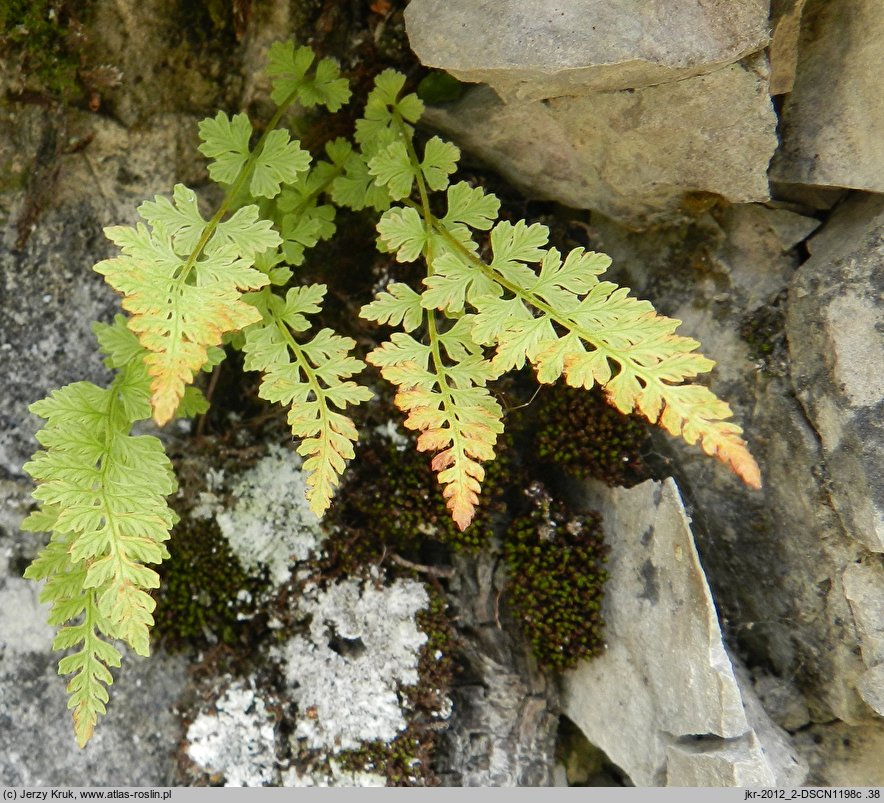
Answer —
(270, 524)
(408, 759)
(238, 741)
(345, 674)
(556, 565)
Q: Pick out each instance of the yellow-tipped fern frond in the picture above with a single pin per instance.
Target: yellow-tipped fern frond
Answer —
(311, 378)
(102, 496)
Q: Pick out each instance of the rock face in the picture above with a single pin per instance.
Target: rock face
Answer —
(548, 49)
(672, 714)
(640, 156)
(835, 328)
(784, 593)
(502, 730)
(833, 119)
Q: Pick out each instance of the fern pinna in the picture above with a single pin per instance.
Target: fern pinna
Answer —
(558, 316)
(193, 284)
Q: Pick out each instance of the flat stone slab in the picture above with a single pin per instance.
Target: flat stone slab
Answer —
(834, 116)
(835, 329)
(641, 157)
(546, 48)
(663, 701)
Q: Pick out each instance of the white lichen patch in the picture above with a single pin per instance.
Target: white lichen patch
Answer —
(392, 432)
(337, 776)
(270, 523)
(238, 741)
(363, 645)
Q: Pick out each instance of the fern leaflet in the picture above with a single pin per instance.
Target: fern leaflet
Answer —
(101, 492)
(566, 322)
(310, 377)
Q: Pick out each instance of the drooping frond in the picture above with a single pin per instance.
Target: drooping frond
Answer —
(566, 322)
(441, 388)
(102, 496)
(310, 377)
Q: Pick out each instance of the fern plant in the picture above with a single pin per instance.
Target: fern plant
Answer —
(192, 284)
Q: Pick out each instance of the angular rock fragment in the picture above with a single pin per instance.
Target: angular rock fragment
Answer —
(641, 156)
(833, 118)
(663, 701)
(531, 51)
(835, 329)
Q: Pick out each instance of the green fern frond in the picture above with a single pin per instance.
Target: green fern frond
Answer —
(310, 378)
(566, 322)
(441, 387)
(102, 496)
(302, 220)
(181, 304)
(64, 588)
(288, 69)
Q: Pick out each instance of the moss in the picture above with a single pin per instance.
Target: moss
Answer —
(763, 331)
(205, 594)
(557, 576)
(578, 431)
(391, 500)
(407, 760)
(42, 37)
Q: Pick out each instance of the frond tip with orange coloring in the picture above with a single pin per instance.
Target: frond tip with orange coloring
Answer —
(183, 294)
(312, 378)
(566, 322)
(448, 403)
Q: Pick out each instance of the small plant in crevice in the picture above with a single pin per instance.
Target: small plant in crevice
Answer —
(555, 560)
(192, 284)
(577, 431)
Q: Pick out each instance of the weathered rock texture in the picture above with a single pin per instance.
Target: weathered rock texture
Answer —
(833, 118)
(775, 557)
(502, 730)
(835, 329)
(531, 51)
(786, 21)
(663, 701)
(640, 156)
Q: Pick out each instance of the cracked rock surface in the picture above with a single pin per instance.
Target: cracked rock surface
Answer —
(663, 701)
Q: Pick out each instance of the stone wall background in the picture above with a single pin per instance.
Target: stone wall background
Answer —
(728, 156)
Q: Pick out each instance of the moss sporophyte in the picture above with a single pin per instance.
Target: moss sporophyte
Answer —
(192, 285)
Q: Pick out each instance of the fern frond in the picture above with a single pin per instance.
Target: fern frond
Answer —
(566, 322)
(182, 306)
(288, 69)
(309, 377)
(102, 493)
(441, 388)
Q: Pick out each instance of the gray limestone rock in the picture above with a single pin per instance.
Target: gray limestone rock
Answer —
(639, 156)
(835, 328)
(843, 755)
(502, 729)
(663, 701)
(531, 51)
(783, 51)
(833, 118)
(774, 558)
